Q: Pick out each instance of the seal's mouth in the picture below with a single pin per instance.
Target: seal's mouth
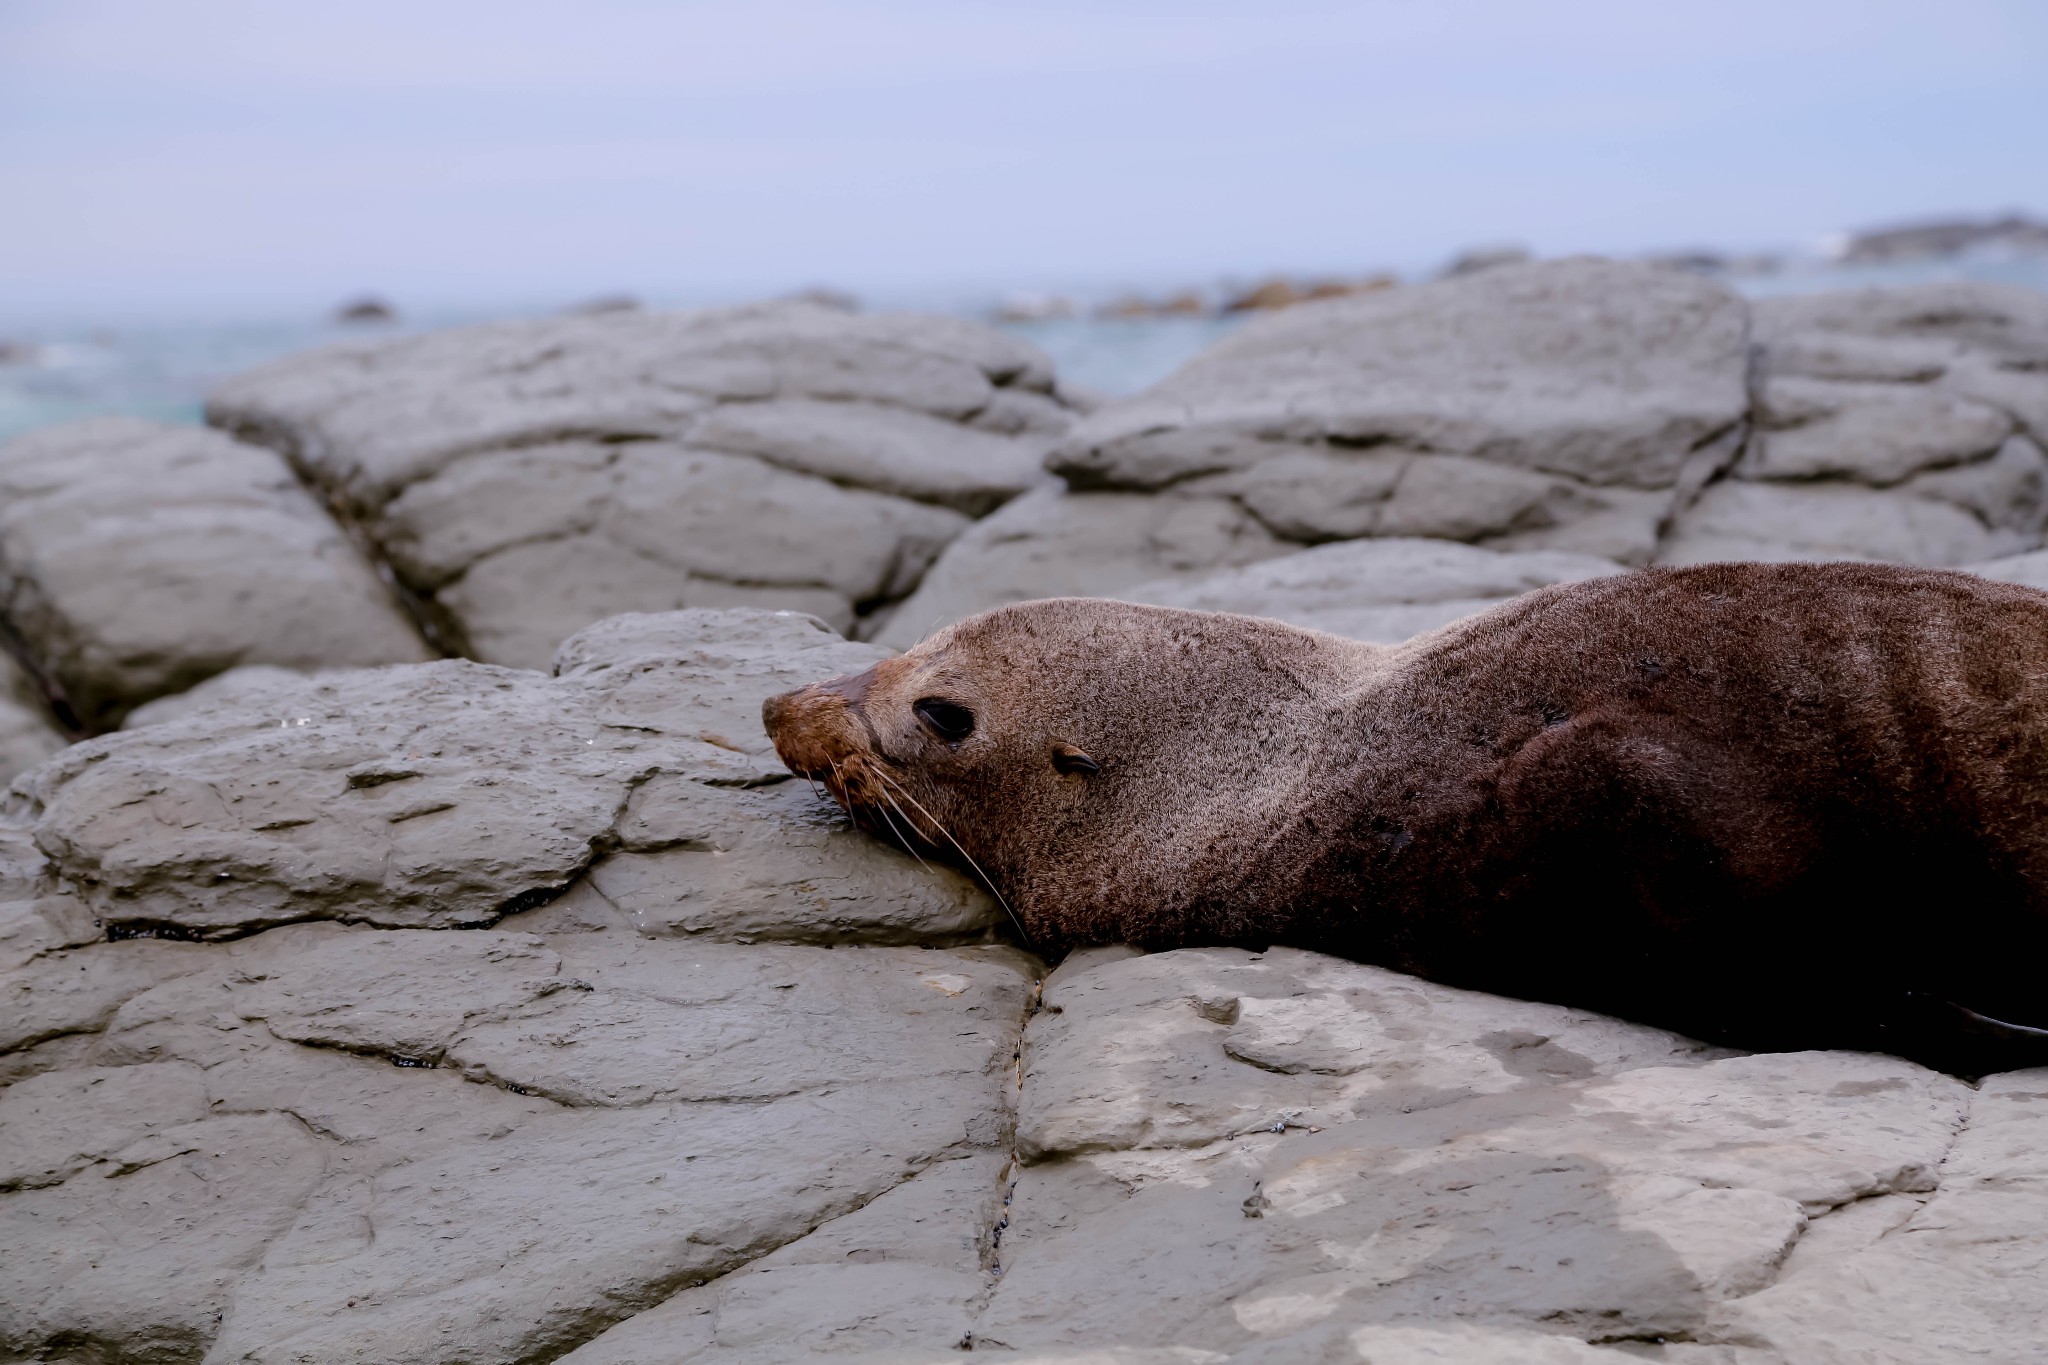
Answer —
(822, 735)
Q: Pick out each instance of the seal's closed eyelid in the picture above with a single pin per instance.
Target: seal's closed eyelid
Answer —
(948, 720)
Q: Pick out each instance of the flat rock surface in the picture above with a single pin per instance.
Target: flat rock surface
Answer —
(1891, 424)
(1384, 591)
(448, 794)
(338, 1142)
(325, 1143)
(1566, 406)
(1601, 371)
(589, 1132)
(139, 558)
(1056, 543)
(525, 479)
(1279, 1157)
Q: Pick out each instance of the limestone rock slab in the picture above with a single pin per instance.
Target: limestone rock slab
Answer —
(1892, 424)
(139, 558)
(525, 479)
(1056, 543)
(1379, 590)
(453, 793)
(1606, 372)
(1190, 1047)
(1739, 519)
(1556, 405)
(1956, 1277)
(1445, 1176)
(347, 1144)
(900, 1274)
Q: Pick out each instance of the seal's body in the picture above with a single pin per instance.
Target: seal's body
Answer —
(1777, 806)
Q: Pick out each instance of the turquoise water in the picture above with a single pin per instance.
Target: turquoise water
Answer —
(164, 371)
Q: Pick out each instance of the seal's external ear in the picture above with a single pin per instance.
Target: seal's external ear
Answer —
(1069, 758)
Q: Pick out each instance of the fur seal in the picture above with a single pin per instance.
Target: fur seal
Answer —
(1776, 806)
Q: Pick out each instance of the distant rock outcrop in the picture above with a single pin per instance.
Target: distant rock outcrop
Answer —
(1943, 237)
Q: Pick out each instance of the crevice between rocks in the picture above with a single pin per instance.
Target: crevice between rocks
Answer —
(1887, 1191)
(991, 1238)
(655, 1293)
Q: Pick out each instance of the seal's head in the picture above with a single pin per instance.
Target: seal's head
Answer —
(1105, 767)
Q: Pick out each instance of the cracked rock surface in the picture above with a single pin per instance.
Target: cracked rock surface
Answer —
(1893, 424)
(1277, 1156)
(342, 1142)
(138, 558)
(1379, 590)
(446, 794)
(1551, 406)
(647, 1058)
(526, 479)
(1621, 411)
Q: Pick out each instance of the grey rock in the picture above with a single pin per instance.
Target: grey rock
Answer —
(1263, 1153)
(237, 688)
(521, 549)
(28, 730)
(1893, 424)
(139, 558)
(1955, 1275)
(1565, 406)
(344, 1143)
(2005, 321)
(1312, 496)
(1820, 521)
(891, 450)
(1379, 590)
(2030, 569)
(1238, 1043)
(1880, 433)
(453, 793)
(1055, 543)
(900, 1274)
(1598, 373)
(239, 1171)
(526, 479)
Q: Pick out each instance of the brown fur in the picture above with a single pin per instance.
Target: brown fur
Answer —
(1772, 805)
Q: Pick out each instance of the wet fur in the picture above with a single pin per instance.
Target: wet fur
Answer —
(1777, 806)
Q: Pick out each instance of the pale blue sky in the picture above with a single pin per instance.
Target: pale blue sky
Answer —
(236, 157)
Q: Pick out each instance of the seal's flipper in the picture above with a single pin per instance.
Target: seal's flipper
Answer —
(1955, 1038)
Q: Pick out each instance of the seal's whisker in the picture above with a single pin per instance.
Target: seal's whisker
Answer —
(939, 825)
(897, 833)
(908, 847)
(845, 802)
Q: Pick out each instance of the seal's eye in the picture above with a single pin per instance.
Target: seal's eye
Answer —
(948, 720)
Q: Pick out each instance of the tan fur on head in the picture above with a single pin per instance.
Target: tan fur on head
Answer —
(1111, 748)
(1726, 799)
